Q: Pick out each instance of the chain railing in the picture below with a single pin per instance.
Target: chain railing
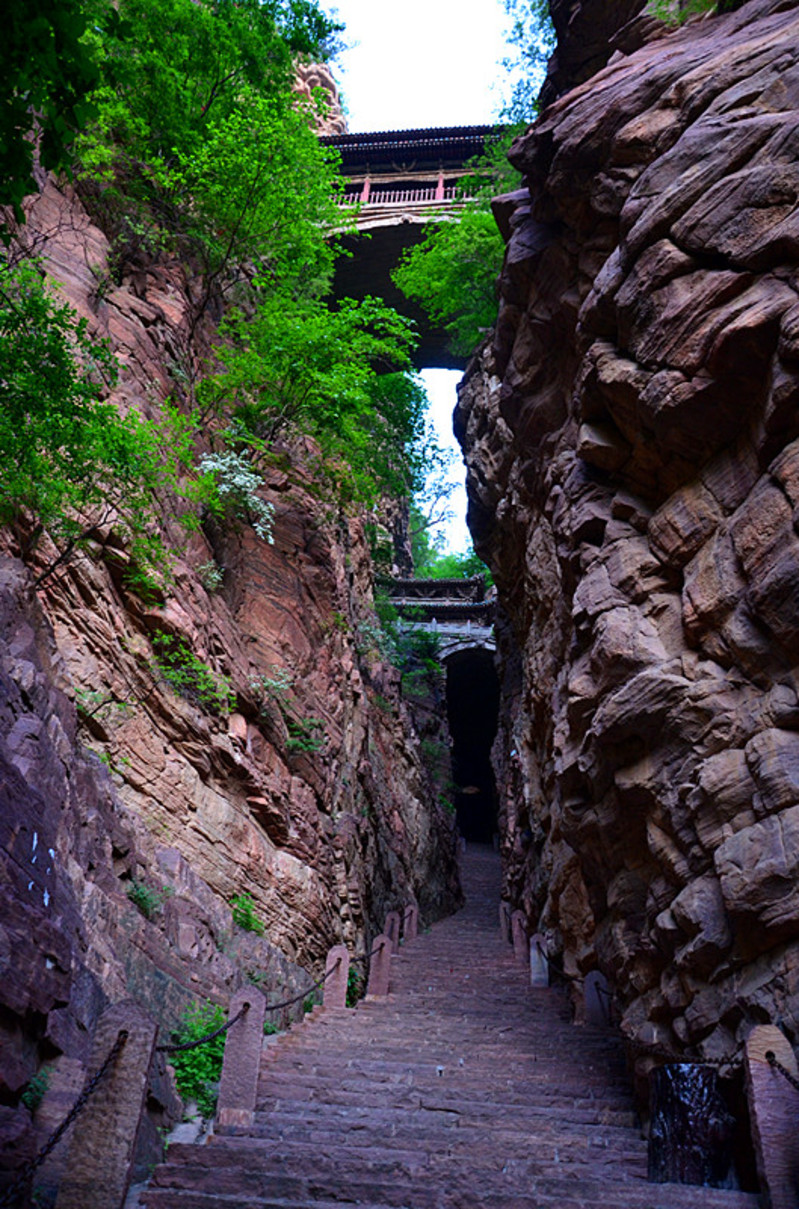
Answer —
(775, 1064)
(10, 1195)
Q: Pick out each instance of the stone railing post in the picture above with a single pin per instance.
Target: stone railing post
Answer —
(392, 930)
(410, 923)
(103, 1142)
(539, 970)
(379, 966)
(504, 921)
(241, 1064)
(334, 994)
(519, 934)
(774, 1111)
(596, 999)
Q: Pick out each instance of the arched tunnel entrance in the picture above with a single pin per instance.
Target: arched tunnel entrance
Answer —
(472, 711)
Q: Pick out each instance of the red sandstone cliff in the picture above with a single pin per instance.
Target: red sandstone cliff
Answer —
(108, 776)
(632, 438)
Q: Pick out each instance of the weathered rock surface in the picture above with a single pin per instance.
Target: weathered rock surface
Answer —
(632, 439)
(109, 777)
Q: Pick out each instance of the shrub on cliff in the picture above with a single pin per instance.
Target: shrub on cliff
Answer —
(71, 462)
(342, 376)
(199, 150)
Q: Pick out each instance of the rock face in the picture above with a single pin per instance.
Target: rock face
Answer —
(632, 438)
(309, 794)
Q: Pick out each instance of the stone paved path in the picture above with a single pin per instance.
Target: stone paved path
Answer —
(463, 1088)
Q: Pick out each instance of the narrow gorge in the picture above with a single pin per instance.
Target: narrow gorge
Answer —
(208, 783)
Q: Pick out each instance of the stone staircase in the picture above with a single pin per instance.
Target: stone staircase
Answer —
(463, 1088)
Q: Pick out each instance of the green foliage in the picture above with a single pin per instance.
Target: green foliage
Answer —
(355, 987)
(530, 40)
(677, 12)
(231, 490)
(342, 376)
(70, 460)
(190, 677)
(454, 566)
(146, 899)
(198, 1071)
(35, 1088)
(211, 576)
(276, 686)
(452, 274)
(244, 914)
(198, 149)
(305, 735)
(47, 70)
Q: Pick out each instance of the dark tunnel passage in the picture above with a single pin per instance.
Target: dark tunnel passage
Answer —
(472, 708)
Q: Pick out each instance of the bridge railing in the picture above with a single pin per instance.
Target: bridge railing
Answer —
(431, 195)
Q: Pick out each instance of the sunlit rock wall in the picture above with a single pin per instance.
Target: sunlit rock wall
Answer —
(631, 434)
(109, 777)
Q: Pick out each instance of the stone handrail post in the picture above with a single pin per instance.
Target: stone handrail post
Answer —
(103, 1142)
(539, 969)
(242, 1060)
(518, 928)
(410, 923)
(774, 1112)
(335, 990)
(596, 1000)
(504, 921)
(380, 966)
(392, 930)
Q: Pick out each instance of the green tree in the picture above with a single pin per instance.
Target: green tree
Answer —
(452, 273)
(71, 461)
(342, 376)
(198, 150)
(48, 73)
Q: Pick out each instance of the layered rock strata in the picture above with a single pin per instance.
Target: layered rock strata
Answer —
(632, 439)
(308, 794)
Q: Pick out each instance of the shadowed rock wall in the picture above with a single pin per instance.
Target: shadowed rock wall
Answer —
(108, 776)
(632, 439)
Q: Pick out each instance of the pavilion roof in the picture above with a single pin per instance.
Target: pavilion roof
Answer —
(438, 145)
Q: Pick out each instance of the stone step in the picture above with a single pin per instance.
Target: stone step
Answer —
(453, 1114)
(464, 1088)
(518, 1090)
(429, 1131)
(369, 1180)
(588, 1112)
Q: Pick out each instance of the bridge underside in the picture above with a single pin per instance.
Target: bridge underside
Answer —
(367, 271)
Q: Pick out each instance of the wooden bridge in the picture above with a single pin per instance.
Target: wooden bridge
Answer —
(401, 179)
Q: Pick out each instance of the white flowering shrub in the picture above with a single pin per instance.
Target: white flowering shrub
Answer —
(236, 484)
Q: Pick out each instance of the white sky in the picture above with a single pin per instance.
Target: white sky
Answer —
(424, 63)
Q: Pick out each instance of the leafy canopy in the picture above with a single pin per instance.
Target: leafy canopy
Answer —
(342, 376)
(48, 70)
(199, 149)
(71, 461)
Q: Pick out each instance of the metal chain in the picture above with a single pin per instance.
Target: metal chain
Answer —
(555, 969)
(179, 1049)
(774, 1062)
(274, 1007)
(10, 1194)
